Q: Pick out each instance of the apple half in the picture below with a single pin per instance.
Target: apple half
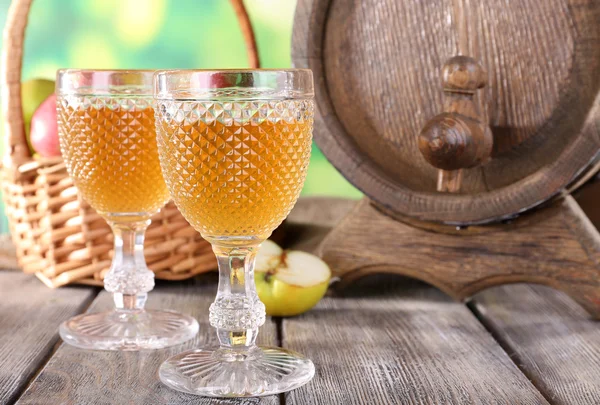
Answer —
(289, 282)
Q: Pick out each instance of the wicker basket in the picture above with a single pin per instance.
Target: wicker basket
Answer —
(57, 235)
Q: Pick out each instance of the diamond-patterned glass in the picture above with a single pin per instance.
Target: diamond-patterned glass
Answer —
(109, 147)
(235, 168)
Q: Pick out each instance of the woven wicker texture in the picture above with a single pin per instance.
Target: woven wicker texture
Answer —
(57, 235)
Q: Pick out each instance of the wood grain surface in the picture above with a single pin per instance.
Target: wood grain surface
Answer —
(555, 246)
(391, 341)
(377, 67)
(384, 340)
(30, 314)
(549, 337)
(75, 376)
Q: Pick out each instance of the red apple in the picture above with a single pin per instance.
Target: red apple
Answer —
(33, 93)
(44, 129)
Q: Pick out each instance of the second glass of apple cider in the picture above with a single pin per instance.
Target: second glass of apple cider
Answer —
(236, 179)
(234, 147)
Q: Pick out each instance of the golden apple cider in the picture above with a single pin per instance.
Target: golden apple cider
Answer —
(109, 147)
(236, 169)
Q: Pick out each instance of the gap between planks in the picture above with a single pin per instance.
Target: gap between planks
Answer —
(512, 354)
(279, 338)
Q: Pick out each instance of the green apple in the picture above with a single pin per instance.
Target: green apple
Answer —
(33, 93)
(289, 282)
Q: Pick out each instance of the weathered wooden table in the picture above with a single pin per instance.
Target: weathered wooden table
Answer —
(385, 340)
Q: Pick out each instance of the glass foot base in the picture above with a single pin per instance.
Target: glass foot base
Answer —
(112, 330)
(216, 372)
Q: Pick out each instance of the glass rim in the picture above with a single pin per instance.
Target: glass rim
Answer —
(105, 82)
(233, 84)
(233, 70)
(84, 70)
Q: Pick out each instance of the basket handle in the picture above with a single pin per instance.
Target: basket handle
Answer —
(16, 150)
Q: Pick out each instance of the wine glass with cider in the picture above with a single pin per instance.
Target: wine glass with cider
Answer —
(108, 142)
(234, 147)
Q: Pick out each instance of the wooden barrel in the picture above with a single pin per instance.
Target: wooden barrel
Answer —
(384, 71)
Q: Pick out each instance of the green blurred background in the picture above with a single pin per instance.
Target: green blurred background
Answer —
(163, 34)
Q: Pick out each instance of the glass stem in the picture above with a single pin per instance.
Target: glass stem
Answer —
(129, 279)
(237, 312)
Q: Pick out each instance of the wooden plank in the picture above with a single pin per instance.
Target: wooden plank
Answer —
(388, 340)
(555, 246)
(30, 314)
(76, 376)
(549, 336)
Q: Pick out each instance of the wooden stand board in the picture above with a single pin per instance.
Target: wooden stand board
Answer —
(556, 246)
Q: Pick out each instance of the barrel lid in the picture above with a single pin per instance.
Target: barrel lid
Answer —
(377, 68)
